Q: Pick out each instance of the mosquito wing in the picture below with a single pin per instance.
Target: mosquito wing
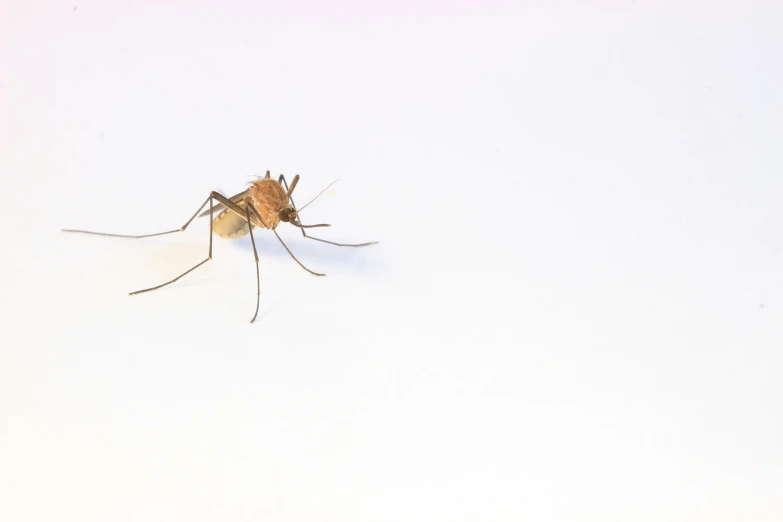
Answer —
(220, 206)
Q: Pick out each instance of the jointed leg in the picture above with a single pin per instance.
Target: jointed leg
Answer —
(282, 180)
(180, 229)
(339, 244)
(253, 209)
(255, 253)
(211, 209)
(256, 220)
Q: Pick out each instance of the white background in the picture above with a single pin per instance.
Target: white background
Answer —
(575, 311)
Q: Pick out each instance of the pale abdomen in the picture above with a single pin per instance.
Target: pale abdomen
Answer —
(227, 224)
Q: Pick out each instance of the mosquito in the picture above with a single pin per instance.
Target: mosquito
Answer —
(265, 204)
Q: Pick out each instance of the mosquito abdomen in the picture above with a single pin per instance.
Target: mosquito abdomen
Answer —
(230, 226)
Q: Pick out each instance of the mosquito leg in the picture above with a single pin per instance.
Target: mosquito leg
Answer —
(293, 205)
(251, 207)
(255, 220)
(180, 229)
(209, 256)
(255, 253)
(341, 244)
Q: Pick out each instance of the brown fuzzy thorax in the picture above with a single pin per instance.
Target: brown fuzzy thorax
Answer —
(268, 198)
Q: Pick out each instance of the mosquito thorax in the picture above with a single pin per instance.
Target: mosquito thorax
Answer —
(268, 197)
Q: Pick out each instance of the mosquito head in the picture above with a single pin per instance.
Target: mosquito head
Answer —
(287, 215)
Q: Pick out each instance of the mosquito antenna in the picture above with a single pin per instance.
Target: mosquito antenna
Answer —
(324, 190)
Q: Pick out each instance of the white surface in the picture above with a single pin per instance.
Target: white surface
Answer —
(575, 312)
